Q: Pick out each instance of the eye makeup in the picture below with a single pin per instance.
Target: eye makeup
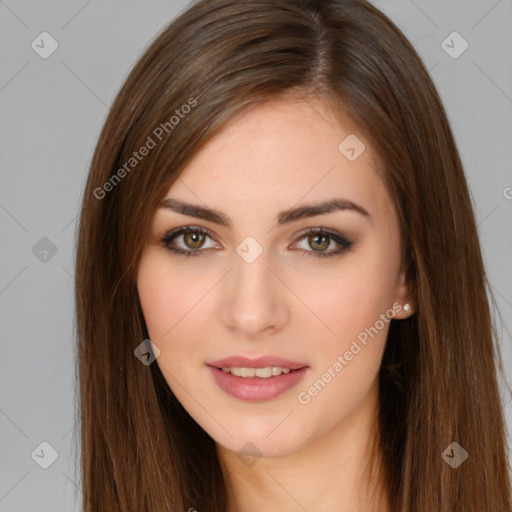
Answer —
(313, 236)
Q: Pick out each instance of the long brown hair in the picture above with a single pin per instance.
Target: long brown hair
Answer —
(140, 449)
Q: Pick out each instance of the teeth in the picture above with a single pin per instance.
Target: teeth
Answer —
(264, 373)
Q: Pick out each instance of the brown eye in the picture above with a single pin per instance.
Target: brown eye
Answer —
(193, 239)
(187, 241)
(318, 242)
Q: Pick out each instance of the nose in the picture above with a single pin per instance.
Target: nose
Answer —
(254, 299)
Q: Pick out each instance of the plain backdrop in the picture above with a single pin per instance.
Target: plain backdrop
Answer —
(52, 110)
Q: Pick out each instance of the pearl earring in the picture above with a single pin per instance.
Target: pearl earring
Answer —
(407, 307)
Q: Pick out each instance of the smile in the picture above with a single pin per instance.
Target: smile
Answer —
(263, 373)
(270, 383)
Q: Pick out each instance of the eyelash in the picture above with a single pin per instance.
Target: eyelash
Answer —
(343, 243)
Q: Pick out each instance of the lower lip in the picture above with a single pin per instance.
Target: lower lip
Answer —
(257, 389)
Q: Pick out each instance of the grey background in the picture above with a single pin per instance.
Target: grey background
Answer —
(51, 113)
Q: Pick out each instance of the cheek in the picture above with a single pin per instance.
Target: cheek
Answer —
(354, 306)
(173, 304)
(353, 342)
(155, 298)
(167, 298)
(350, 300)
(348, 354)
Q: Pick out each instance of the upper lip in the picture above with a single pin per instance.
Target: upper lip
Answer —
(260, 362)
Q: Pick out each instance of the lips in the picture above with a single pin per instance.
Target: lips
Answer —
(255, 389)
(260, 362)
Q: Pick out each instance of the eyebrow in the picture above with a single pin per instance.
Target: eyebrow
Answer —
(284, 217)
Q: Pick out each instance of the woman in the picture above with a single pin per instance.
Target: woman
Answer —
(281, 300)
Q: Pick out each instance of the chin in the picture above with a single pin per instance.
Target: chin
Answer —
(257, 447)
(268, 438)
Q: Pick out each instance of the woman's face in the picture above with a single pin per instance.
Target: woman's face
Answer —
(257, 284)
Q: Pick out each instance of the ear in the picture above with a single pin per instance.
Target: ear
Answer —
(403, 296)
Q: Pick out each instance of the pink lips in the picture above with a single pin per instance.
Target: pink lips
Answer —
(256, 388)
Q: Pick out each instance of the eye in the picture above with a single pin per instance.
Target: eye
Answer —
(320, 240)
(192, 238)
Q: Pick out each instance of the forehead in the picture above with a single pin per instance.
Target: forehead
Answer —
(282, 153)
